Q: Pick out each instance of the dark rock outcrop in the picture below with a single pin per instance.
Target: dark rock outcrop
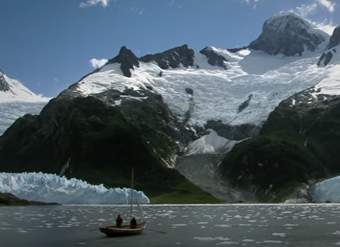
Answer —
(334, 41)
(245, 104)
(231, 132)
(127, 61)
(172, 58)
(287, 34)
(214, 59)
(3, 83)
(335, 38)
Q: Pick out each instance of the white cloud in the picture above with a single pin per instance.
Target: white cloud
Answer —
(308, 10)
(91, 3)
(97, 63)
(305, 10)
(328, 4)
(253, 3)
(326, 26)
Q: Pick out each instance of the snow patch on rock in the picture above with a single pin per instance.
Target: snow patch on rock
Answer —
(210, 144)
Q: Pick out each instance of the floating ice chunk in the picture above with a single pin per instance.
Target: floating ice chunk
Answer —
(327, 190)
(53, 188)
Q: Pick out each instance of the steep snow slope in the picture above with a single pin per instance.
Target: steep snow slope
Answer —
(12, 90)
(16, 100)
(52, 188)
(330, 85)
(217, 92)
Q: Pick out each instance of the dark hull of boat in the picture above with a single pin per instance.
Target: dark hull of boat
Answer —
(113, 231)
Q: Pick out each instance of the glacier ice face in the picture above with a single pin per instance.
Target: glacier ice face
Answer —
(53, 188)
(327, 190)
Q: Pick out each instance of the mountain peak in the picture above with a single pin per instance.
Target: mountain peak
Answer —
(127, 59)
(335, 38)
(288, 34)
(328, 55)
(172, 58)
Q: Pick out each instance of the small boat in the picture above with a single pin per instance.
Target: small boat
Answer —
(126, 230)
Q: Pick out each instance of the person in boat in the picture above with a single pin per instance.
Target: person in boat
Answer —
(119, 221)
(133, 223)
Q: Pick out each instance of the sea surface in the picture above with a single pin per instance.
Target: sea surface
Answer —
(174, 225)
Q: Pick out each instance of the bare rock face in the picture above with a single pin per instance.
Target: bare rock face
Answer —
(335, 38)
(172, 58)
(214, 59)
(127, 60)
(288, 34)
(328, 55)
(3, 83)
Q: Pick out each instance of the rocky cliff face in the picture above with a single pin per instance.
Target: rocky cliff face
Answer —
(288, 34)
(172, 58)
(4, 86)
(332, 48)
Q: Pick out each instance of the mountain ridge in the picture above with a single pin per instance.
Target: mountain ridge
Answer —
(158, 104)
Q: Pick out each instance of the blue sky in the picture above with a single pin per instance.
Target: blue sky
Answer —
(48, 44)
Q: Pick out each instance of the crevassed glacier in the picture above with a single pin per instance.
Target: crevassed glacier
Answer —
(53, 188)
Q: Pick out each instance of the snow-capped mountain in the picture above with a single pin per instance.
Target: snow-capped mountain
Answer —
(16, 100)
(161, 105)
(290, 35)
(12, 90)
(214, 84)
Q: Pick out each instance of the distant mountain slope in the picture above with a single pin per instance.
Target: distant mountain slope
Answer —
(12, 90)
(16, 100)
(298, 143)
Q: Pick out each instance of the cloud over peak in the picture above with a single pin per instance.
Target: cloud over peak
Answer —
(97, 63)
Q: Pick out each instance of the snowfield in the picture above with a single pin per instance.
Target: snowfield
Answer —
(53, 188)
(218, 92)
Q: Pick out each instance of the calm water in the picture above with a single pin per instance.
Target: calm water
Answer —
(227, 225)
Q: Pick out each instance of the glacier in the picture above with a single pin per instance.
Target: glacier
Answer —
(217, 92)
(10, 111)
(326, 190)
(52, 188)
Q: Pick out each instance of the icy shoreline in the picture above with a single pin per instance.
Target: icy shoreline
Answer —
(52, 188)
